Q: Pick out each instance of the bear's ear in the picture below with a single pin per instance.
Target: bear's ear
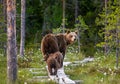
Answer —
(67, 31)
(76, 31)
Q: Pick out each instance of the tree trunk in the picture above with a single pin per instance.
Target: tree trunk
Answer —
(11, 42)
(63, 23)
(15, 25)
(22, 43)
(117, 49)
(106, 31)
(77, 22)
(117, 43)
(76, 11)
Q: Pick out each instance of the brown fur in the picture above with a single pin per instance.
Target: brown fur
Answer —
(52, 43)
(49, 45)
(54, 61)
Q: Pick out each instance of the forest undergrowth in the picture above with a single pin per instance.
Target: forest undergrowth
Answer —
(100, 71)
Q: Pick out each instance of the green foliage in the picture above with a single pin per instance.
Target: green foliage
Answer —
(56, 17)
(109, 21)
(47, 14)
(81, 23)
(86, 37)
(2, 25)
(24, 62)
(3, 35)
(101, 44)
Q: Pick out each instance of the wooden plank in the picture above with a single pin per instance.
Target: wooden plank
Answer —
(61, 77)
(85, 60)
(40, 77)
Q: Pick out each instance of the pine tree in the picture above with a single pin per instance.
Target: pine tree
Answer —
(112, 26)
(22, 44)
(11, 42)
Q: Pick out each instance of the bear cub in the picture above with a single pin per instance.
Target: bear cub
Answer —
(54, 62)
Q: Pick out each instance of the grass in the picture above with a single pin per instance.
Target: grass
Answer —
(101, 71)
(3, 71)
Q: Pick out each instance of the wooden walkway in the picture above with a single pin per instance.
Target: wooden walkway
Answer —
(61, 77)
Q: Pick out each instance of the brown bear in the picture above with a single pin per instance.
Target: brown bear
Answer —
(52, 43)
(54, 62)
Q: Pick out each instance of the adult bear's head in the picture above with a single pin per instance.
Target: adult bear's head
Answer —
(71, 37)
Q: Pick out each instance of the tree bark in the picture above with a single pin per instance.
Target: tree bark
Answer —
(22, 43)
(117, 49)
(117, 43)
(11, 42)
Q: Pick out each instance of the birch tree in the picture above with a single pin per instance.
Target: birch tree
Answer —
(11, 42)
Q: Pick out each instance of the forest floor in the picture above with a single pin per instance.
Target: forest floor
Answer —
(31, 67)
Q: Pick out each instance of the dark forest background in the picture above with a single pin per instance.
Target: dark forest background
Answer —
(96, 22)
